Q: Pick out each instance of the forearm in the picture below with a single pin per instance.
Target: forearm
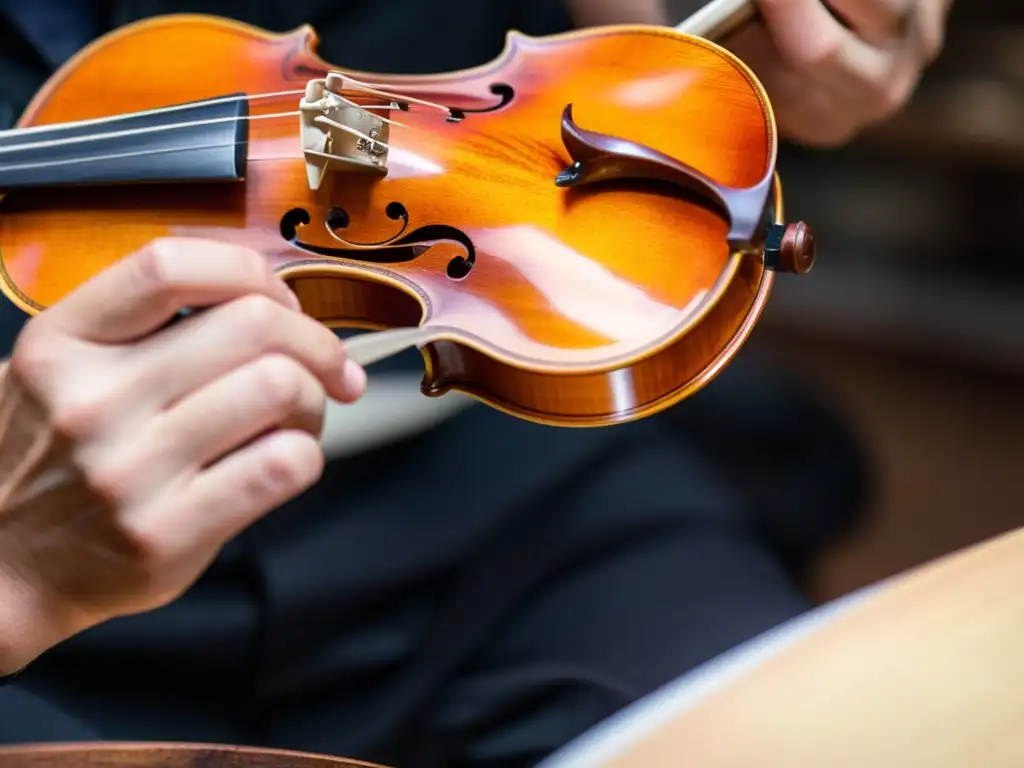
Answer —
(594, 13)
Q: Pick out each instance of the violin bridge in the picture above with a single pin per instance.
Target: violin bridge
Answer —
(339, 135)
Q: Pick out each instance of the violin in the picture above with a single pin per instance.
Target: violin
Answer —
(582, 232)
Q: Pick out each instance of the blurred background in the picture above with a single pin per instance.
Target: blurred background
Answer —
(912, 324)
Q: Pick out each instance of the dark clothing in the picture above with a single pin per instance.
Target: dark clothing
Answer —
(477, 595)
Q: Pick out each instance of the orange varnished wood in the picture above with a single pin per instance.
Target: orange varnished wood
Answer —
(583, 308)
(158, 755)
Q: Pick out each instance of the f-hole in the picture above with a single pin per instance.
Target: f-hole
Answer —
(399, 248)
(503, 91)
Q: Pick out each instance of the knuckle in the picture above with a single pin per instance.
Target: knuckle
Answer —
(111, 478)
(253, 265)
(150, 264)
(151, 274)
(79, 416)
(247, 267)
(893, 97)
(35, 356)
(281, 473)
(816, 54)
(282, 382)
(142, 543)
(258, 316)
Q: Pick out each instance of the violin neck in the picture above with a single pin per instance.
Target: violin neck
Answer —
(199, 141)
(719, 19)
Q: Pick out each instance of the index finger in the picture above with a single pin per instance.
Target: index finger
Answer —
(144, 291)
(877, 21)
(804, 32)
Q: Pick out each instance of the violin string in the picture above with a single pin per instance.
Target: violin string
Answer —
(372, 88)
(140, 153)
(362, 89)
(51, 143)
(51, 127)
(128, 132)
(165, 150)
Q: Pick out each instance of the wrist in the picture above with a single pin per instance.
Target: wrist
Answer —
(30, 621)
(27, 629)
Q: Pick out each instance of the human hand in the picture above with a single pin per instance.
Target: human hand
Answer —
(827, 78)
(131, 450)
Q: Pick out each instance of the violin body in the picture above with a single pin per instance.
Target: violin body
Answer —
(566, 303)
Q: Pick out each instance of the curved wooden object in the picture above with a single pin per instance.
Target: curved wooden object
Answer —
(926, 671)
(584, 306)
(157, 755)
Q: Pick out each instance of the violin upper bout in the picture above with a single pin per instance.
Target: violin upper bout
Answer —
(304, 44)
(307, 35)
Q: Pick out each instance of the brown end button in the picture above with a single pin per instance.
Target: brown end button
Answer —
(790, 248)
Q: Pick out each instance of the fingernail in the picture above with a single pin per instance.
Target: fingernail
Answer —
(293, 299)
(354, 377)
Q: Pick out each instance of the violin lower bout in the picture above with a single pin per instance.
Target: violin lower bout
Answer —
(652, 382)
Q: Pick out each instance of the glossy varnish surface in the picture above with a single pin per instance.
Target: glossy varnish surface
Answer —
(584, 306)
